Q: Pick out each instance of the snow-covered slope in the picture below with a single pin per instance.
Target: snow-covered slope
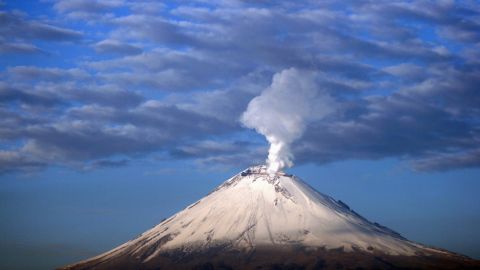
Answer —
(254, 209)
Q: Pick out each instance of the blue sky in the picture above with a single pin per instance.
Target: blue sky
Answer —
(117, 114)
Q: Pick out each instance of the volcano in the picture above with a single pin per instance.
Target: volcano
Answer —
(257, 220)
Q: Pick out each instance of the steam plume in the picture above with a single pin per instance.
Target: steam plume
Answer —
(282, 111)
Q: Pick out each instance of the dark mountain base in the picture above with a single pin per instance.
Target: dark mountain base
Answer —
(282, 258)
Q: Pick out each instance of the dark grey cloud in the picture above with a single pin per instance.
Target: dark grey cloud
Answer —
(105, 95)
(10, 94)
(116, 47)
(221, 154)
(15, 25)
(83, 6)
(13, 124)
(236, 159)
(156, 28)
(11, 161)
(18, 48)
(419, 122)
(445, 161)
(29, 73)
(105, 11)
(210, 148)
(168, 70)
(66, 94)
(19, 34)
(89, 11)
(174, 80)
(97, 133)
(225, 104)
(455, 21)
(146, 7)
(107, 163)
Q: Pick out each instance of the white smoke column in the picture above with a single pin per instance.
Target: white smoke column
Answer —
(282, 111)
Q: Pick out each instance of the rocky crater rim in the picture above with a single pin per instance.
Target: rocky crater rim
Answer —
(262, 170)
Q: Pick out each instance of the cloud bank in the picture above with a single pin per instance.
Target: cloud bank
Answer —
(142, 80)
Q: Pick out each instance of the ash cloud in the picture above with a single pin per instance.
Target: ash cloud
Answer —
(282, 112)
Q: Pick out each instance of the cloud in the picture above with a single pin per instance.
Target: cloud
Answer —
(106, 163)
(168, 70)
(116, 47)
(19, 34)
(46, 74)
(105, 95)
(403, 125)
(147, 128)
(18, 48)
(406, 71)
(14, 161)
(136, 79)
(210, 148)
(221, 154)
(89, 11)
(445, 162)
(151, 28)
(10, 95)
(15, 25)
(88, 7)
(232, 160)
(225, 104)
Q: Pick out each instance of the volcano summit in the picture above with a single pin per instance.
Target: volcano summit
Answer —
(257, 220)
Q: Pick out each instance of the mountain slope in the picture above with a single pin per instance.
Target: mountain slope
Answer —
(256, 219)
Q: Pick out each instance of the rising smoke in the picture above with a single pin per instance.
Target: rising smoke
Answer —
(283, 110)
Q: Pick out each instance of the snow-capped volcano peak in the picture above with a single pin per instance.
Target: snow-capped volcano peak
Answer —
(258, 208)
(255, 209)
